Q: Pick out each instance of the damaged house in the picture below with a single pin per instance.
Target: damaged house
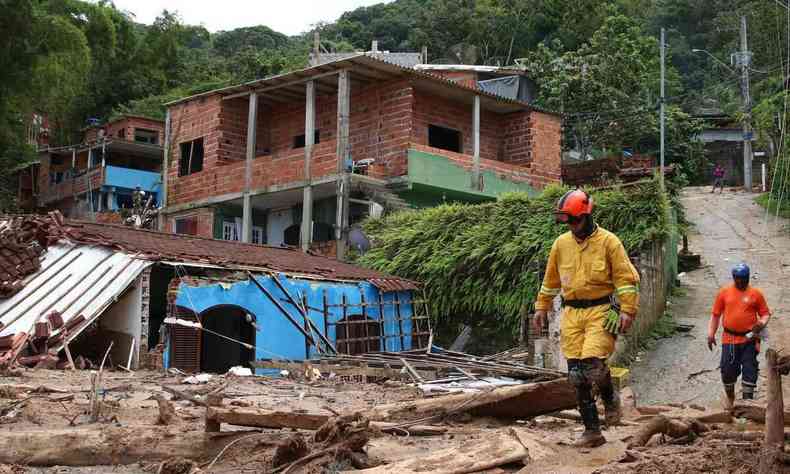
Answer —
(70, 288)
(96, 177)
(301, 157)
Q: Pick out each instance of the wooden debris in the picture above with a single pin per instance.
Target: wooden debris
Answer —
(513, 401)
(668, 426)
(773, 445)
(471, 456)
(292, 448)
(755, 412)
(261, 418)
(108, 445)
(166, 410)
(428, 365)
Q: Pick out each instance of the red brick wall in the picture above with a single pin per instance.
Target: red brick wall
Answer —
(380, 122)
(386, 120)
(126, 126)
(433, 110)
(205, 221)
(517, 139)
(546, 150)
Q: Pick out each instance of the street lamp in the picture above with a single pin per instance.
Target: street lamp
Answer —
(714, 58)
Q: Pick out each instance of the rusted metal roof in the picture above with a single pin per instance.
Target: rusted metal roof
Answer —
(189, 249)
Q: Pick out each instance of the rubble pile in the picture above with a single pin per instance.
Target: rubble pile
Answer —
(23, 239)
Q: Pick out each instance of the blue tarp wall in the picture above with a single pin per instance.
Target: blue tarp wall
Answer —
(276, 337)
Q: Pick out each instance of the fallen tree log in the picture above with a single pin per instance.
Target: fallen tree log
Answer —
(303, 421)
(512, 401)
(755, 412)
(109, 446)
(668, 426)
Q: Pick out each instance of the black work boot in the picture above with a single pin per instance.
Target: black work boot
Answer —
(592, 436)
(611, 400)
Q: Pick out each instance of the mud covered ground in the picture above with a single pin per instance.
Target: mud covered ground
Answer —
(729, 228)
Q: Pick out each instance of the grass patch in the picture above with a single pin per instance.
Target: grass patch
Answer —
(783, 206)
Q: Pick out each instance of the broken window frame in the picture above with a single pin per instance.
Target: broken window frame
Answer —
(192, 155)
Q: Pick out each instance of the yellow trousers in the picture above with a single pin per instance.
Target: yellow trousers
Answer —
(582, 335)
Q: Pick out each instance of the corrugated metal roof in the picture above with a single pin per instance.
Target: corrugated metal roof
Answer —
(74, 280)
(372, 68)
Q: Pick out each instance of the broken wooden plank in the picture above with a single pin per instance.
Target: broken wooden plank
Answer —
(260, 418)
(512, 401)
(109, 445)
(471, 456)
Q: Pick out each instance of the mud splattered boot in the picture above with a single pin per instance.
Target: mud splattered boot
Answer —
(611, 400)
(592, 436)
(728, 400)
(612, 411)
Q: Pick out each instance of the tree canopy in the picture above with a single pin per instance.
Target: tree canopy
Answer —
(594, 60)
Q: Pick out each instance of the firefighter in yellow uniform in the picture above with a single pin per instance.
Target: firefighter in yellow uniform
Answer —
(587, 267)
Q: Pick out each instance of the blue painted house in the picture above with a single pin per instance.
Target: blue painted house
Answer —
(240, 323)
(207, 305)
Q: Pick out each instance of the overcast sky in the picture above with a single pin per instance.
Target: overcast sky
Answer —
(286, 16)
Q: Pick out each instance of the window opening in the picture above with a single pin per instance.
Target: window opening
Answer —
(143, 135)
(444, 138)
(299, 139)
(186, 226)
(191, 160)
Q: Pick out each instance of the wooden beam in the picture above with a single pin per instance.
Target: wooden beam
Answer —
(309, 141)
(252, 119)
(281, 85)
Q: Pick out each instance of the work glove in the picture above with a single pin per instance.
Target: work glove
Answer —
(757, 328)
(612, 322)
(711, 342)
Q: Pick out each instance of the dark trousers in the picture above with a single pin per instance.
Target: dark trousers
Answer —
(740, 360)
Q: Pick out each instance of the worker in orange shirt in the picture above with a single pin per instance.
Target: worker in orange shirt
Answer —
(588, 266)
(745, 315)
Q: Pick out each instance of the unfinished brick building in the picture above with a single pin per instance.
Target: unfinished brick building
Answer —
(299, 158)
(97, 176)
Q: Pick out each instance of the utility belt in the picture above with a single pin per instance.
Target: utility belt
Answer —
(736, 333)
(584, 304)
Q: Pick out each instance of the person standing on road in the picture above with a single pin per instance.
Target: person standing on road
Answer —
(745, 314)
(718, 179)
(587, 266)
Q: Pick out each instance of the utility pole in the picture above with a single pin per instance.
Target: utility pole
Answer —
(663, 118)
(744, 62)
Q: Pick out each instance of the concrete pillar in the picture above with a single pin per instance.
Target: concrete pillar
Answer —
(476, 144)
(165, 167)
(343, 155)
(309, 141)
(246, 226)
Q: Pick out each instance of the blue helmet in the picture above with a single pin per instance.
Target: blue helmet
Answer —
(740, 271)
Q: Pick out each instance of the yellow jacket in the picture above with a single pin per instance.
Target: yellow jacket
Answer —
(593, 269)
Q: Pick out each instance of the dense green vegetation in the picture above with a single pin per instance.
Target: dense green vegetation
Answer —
(484, 261)
(594, 60)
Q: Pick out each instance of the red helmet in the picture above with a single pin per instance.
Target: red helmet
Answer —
(574, 203)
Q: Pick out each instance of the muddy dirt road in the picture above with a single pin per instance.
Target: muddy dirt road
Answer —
(729, 228)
